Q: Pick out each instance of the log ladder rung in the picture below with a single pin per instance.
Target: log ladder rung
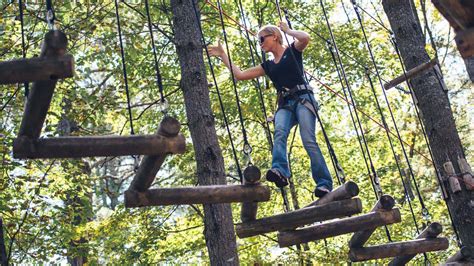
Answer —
(36, 69)
(297, 218)
(77, 147)
(197, 195)
(394, 249)
(338, 227)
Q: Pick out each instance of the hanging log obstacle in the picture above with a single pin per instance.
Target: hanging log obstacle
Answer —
(297, 218)
(463, 255)
(150, 165)
(39, 98)
(398, 249)
(346, 191)
(339, 227)
(410, 74)
(36, 69)
(385, 203)
(248, 210)
(77, 147)
(3, 250)
(432, 231)
(196, 195)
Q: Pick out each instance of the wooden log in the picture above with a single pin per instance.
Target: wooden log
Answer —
(467, 174)
(339, 227)
(151, 164)
(346, 191)
(252, 174)
(248, 211)
(385, 202)
(77, 147)
(41, 93)
(36, 69)
(294, 219)
(431, 231)
(196, 195)
(410, 74)
(464, 254)
(451, 176)
(465, 42)
(398, 249)
(460, 11)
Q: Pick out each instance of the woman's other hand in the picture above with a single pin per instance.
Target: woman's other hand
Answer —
(284, 26)
(217, 50)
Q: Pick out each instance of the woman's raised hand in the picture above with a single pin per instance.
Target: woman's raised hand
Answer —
(217, 50)
(284, 26)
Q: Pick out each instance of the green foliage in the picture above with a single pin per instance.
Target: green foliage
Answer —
(54, 210)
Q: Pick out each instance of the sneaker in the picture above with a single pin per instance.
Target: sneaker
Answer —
(321, 192)
(274, 176)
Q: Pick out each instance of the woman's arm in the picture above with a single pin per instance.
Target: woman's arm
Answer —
(302, 38)
(251, 73)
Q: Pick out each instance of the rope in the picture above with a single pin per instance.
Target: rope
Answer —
(159, 81)
(425, 210)
(50, 16)
(23, 45)
(371, 170)
(124, 68)
(425, 136)
(221, 104)
(259, 89)
(247, 148)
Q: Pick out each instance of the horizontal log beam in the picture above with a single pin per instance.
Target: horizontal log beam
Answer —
(77, 147)
(431, 231)
(151, 164)
(398, 249)
(338, 227)
(465, 42)
(346, 191)
(36, 69)
(464, 254)
(386, 202)
(460, 12)
(297, 218)
(197, 195)
(41, 93)
(411, 73)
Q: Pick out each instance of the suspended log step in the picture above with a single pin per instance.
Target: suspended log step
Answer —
(252, 176)
(36, 69)
(297, 218)
(346, 191)
(41, 93)
(338, 227)
(431, 231)
(77, 147)
(395, 249)
(385, 203)
(418, 70)
(150, 164)
(196, 195)
(3, 250)
(465, 254)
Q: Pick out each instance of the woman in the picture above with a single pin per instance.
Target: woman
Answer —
(294, 105)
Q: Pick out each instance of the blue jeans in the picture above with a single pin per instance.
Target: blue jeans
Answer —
(285, 119)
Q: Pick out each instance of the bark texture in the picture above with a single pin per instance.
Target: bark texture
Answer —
(218, 226)
(437, 116)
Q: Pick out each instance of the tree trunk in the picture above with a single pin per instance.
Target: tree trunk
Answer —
(433, 102)
(218, 225)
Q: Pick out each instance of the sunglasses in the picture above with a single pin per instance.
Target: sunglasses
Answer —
(262, 38)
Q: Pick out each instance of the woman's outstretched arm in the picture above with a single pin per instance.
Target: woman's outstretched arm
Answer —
(251, 73)
(302, 37)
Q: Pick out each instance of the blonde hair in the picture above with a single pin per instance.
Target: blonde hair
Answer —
(272, 29)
